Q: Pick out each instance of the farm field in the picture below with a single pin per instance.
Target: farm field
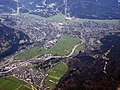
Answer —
(54, 75)
(11, 83)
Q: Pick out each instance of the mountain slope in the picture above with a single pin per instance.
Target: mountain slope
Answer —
(89, 73)
(11, 40)
(101, 9)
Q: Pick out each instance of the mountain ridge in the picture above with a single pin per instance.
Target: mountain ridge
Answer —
(98, 9)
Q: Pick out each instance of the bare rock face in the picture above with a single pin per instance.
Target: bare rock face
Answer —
(98, 9)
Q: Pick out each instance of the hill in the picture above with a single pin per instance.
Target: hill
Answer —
(98, 9)
(90, 72)
(11, 40)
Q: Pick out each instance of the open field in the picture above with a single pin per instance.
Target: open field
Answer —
(98, 20)
(31, 53)
(63, 47)
(55, 18)
(54, 75)
(11, 83)
(60, 18)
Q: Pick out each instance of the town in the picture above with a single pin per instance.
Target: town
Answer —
(45, 34)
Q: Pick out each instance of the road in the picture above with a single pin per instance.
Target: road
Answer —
(8, 70)
(44, 34)
(66, 56)
(57, 9)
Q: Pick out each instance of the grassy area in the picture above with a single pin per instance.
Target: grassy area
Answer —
(55, 18)
(31, 53)
(97, 20)
(60, 18)
(31, 15)
(62, 47)
(54, 75)
(11, 83)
